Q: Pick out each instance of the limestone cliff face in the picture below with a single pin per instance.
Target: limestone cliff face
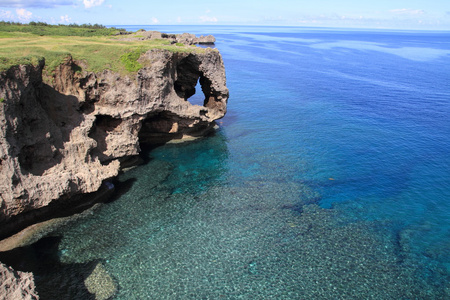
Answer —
(67, 137)
(16, 285)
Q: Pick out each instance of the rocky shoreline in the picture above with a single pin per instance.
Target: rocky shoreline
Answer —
(64, 140)
(184, 38)
(16, 285)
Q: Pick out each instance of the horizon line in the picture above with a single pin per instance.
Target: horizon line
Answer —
(296, 26)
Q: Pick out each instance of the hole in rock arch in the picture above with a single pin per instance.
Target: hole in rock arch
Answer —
(199, 97)
(190, 83)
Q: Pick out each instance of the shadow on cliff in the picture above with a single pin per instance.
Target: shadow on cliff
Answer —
(53, 279)
(103, 125)
(43, 128)
(66, 207)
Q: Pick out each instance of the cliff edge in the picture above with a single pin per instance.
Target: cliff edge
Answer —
(64, 137)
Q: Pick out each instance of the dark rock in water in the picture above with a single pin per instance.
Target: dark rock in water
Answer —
(205, 40)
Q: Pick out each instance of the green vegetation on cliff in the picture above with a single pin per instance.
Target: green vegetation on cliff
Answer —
(44, 29)
(130, 60)
(97, 47)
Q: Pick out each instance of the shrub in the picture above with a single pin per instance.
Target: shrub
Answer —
(129, 60)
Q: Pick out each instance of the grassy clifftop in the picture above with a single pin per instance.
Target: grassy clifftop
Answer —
(56, 30)
(97, 46)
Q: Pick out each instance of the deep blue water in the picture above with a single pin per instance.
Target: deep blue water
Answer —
(328, 178)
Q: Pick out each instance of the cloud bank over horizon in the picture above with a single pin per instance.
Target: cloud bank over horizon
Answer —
(396, 14)
(49, 3)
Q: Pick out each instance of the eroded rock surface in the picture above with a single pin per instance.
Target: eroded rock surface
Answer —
(184, 38)
(66, 138)
(16, 285)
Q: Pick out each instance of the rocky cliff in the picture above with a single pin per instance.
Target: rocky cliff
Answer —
(16, 285)
(185, 38)
(66, 136)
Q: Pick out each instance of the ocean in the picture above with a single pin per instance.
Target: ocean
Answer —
(327, 179)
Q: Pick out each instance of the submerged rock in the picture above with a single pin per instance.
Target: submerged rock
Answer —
(100, 283)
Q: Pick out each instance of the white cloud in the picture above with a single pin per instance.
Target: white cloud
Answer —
(35, 3)
(208, 19)
(155, 20)
(23, 14)
(407, 11)
(65, 19)
(92, 3)
(6, 15)
(179, 20)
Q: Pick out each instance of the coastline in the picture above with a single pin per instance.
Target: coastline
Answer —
(35, 232)
(329, 182)
(110, 117)
(70, 127)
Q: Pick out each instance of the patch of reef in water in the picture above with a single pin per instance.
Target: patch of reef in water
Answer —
(191, 228)
(258, 239)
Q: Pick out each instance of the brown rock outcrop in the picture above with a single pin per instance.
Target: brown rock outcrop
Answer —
(191, 39)
(66, 138)
(184, 38)
(16, 285)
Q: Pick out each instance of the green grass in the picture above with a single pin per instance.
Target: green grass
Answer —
(24, 60)
(129, 60)
(97, 52)
(43, 29)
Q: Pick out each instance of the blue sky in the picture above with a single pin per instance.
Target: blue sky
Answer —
(397, 14)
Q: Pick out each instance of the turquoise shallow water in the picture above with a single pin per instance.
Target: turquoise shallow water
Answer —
(328, 179)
